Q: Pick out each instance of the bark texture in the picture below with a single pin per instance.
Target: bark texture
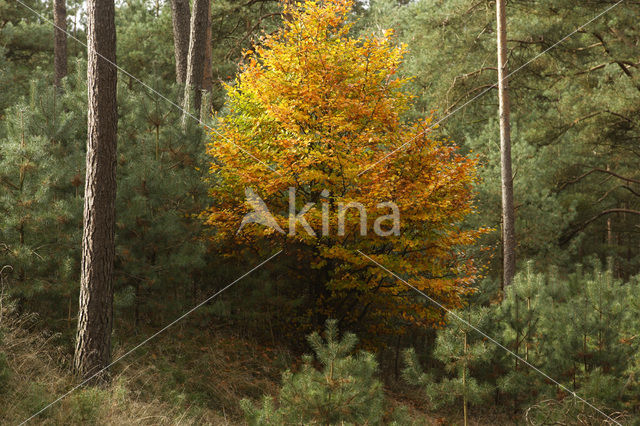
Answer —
(180, 16)
(508, 212)
(60, 41)
(93, 344)
(207, 77)
(195, 61)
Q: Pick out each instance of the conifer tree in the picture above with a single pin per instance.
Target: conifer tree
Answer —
(566, 131)
(575, 328)
(462, 353)
(585, 337)
(181, 16)
(41, 199)
(520, 313)
(60, 41)
(508, 211)
(195, 59)
(344, 391)
(25, 46)
(95, 317)
(161, 190)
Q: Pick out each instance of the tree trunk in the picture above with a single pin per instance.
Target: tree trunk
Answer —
(195, 61)
(207, 77)
(93, 344)
(180, 15)
(609, 228)
(508, 213)
(60, 41)
(464, 381)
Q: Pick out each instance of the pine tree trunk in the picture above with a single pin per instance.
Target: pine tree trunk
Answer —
(93, 344)
(60, 41)
(195, 61)
(180, 16)
(508, 213)
(609, 228)
(207, 77)
(464, 381)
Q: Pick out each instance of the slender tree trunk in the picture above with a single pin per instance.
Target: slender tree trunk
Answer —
(464, 381)
(180, 15)
(60, 41)
(195, 61)
(93, 344)
(508, 213)
(207, 77)
(609, 228)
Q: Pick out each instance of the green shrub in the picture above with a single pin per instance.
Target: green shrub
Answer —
(5, 373)
(580, 329)
(85, 406)
(462, 353)
(35, 399)
(344, 391)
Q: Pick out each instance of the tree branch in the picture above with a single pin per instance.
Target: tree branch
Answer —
(597, 169)
(569, 236)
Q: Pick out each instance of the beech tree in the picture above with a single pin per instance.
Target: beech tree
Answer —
(320, 106)
(93, 344)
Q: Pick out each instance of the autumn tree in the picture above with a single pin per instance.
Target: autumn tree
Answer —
(311, 110)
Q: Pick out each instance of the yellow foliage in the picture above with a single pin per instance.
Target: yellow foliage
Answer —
(319, 106)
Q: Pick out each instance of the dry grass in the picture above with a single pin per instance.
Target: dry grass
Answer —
(184, 377)
(155, 387)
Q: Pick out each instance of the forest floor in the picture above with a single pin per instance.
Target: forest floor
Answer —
(181, 378)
